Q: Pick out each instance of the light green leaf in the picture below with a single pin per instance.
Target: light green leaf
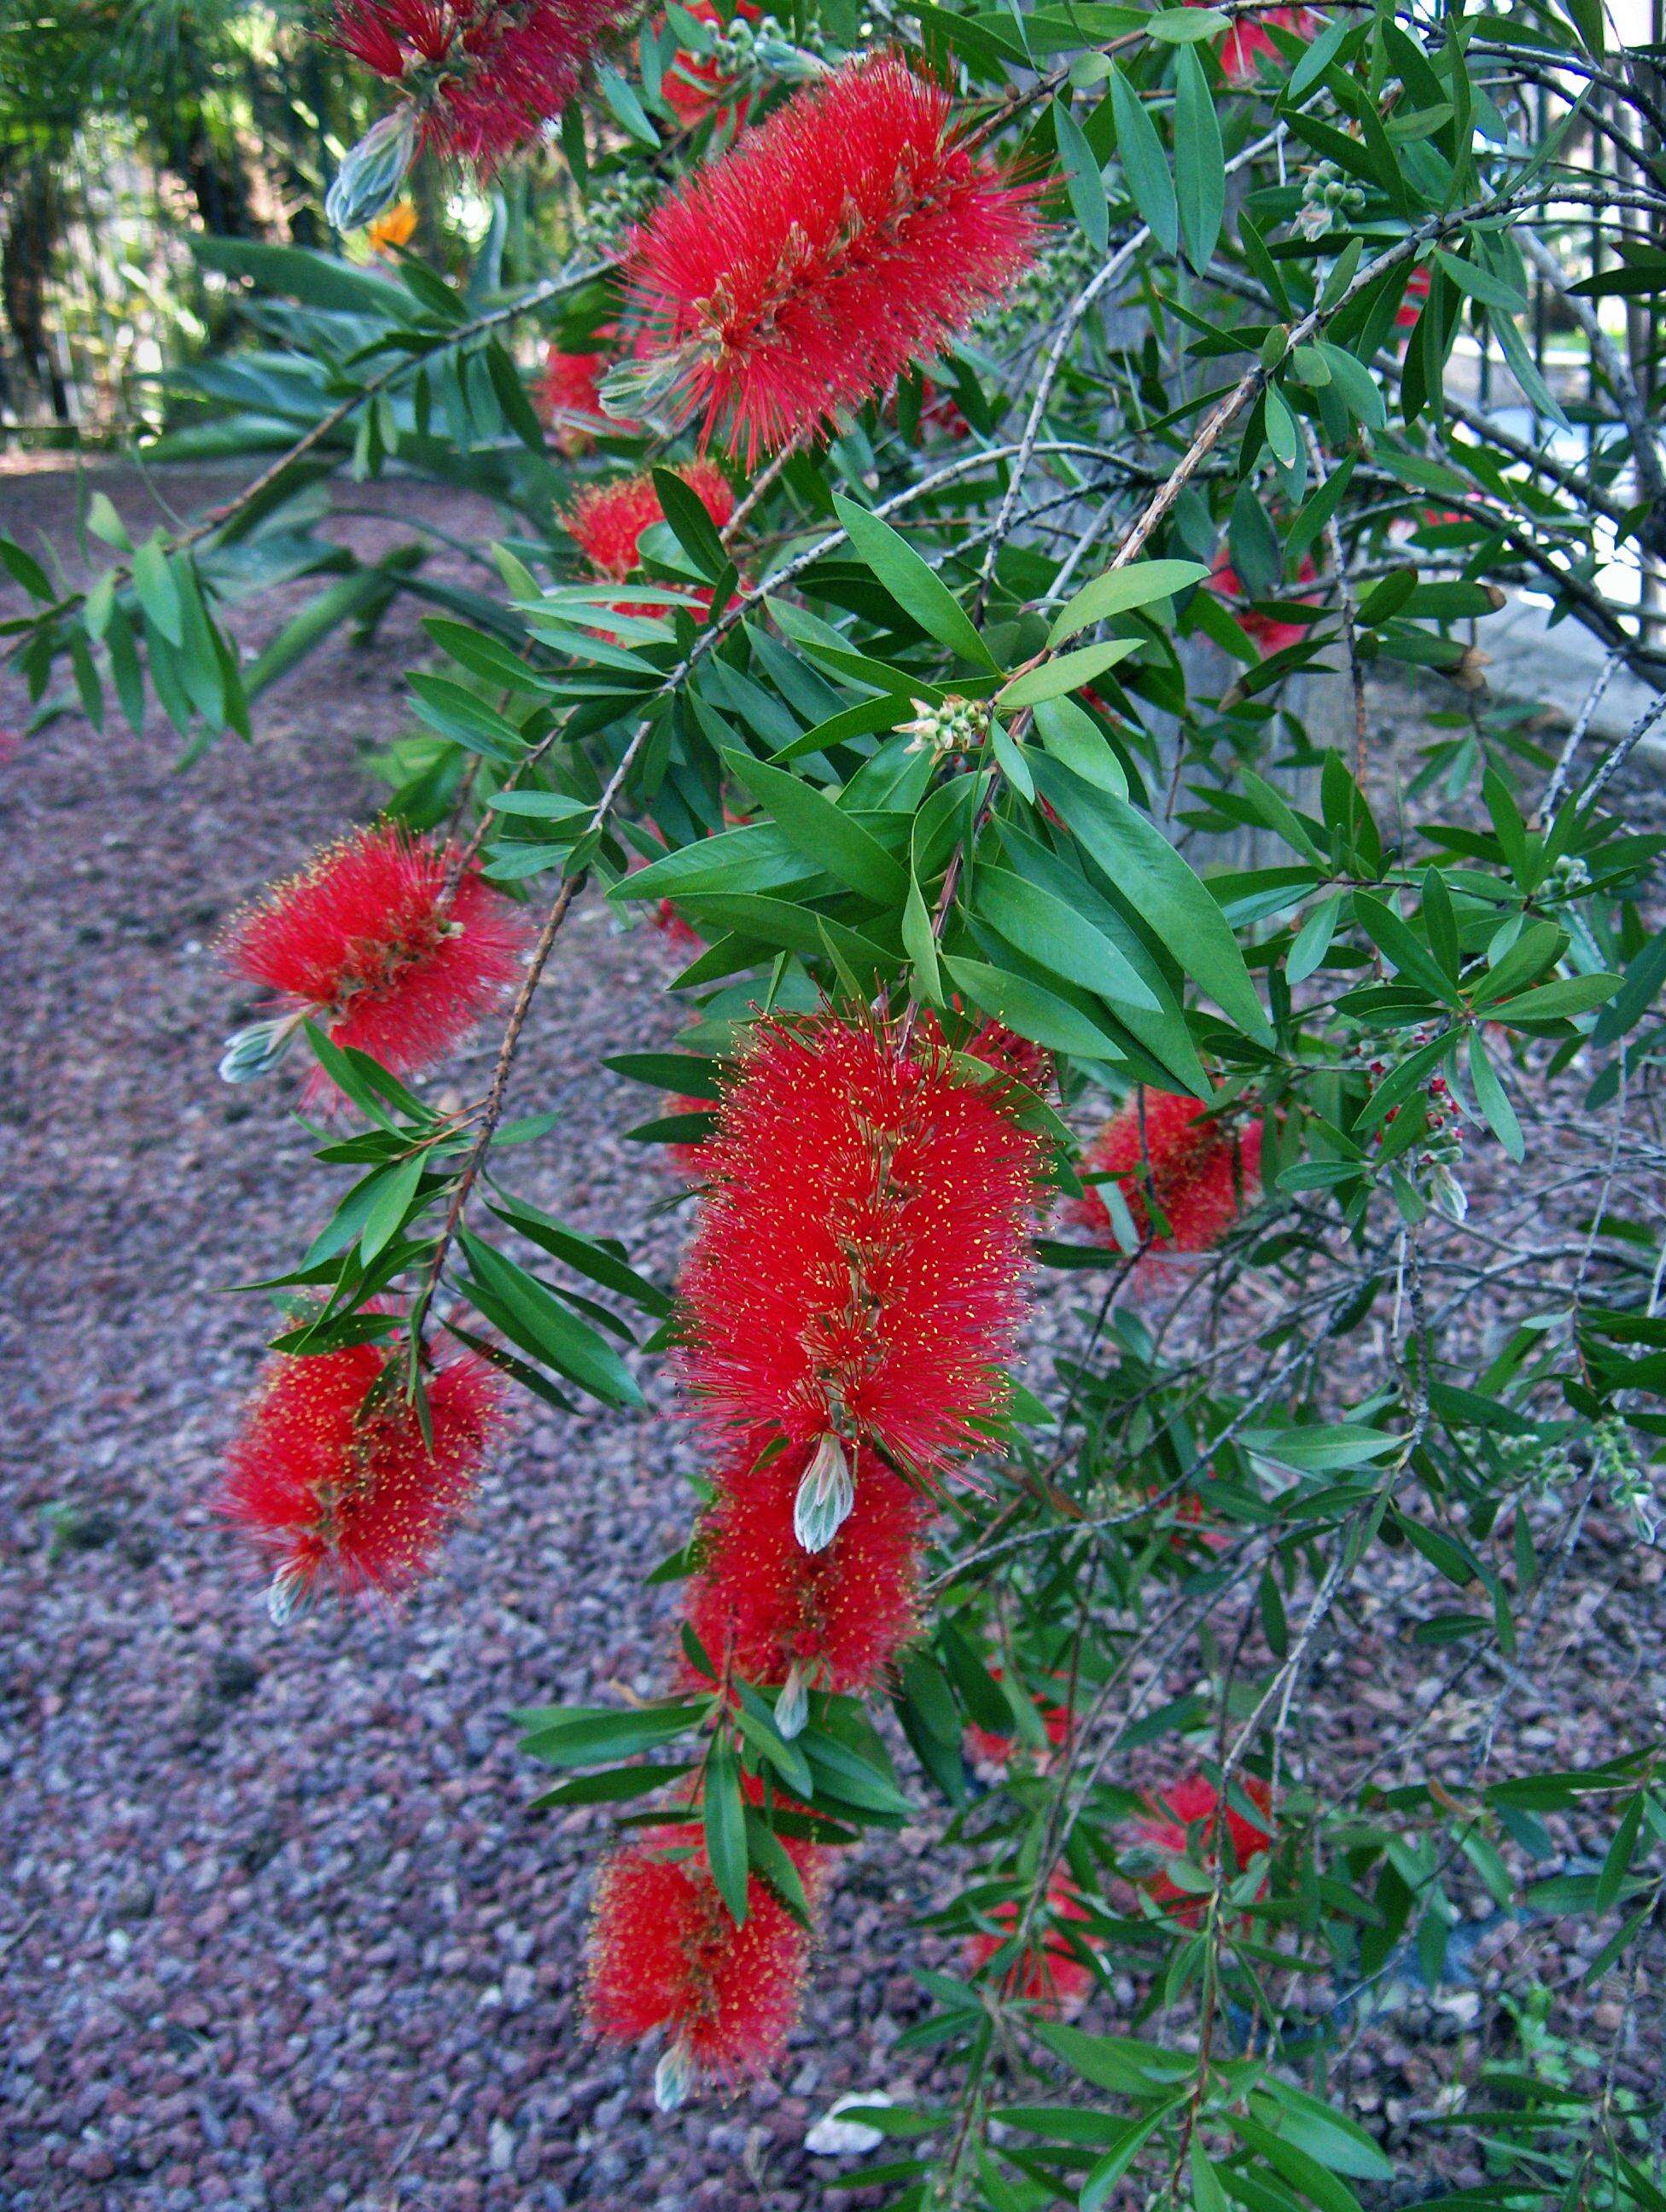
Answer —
(1032, 1012)
(1065, 672)
(1119, 591)
(1200, 164)
(917, 587)
(1152, 876)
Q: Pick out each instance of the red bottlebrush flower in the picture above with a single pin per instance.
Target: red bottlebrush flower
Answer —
(1201, 1174)
(607, 522)
(486, 75)
(1000, 1747)
(364, 940)
(1267, 632)
(837, 1615)
(664, 1953)
(861, 1248)
(845, 237)
(695, 85)
(689, 1159)
(1247, 42)
(675, 930)
(332, 1477)
(1047, 1972)
(1020, 1057)
(1184, 1816)
(570, 393)
(1412, 300)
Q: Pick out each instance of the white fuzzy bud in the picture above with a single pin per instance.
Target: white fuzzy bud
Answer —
(825, 1498)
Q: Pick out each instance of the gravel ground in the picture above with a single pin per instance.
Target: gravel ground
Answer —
(280, 1931)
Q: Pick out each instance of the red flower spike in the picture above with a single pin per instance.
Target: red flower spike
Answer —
(1177, 1818)
(695, 85)
(1202, 1176)
(1000, 1749)
(689, 1159)
(1046, 1973)
(1413, 299)
(486, 73)
(862, 1247)
(607, 523)
(848, 235)
(365, 942)
(664, 1953)
(1266, 632)
(837, 1615)
(1247, 42)
(332, 1477)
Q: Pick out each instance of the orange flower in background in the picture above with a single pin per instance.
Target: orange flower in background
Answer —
(392, 230)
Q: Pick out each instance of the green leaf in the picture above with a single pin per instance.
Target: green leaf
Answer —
(1101, 2181)
(1144, 162)
(1120, 591)
(691, 523)
(585, 1736)
(159, 593)
(1494, 1100)
(1032, 1012)
(1303, 2172)
(1082, 177)
(1065, 672)
(916, 588)
(26, 570)
(621, 97)
(920, 944)
(530, 1312)
(1200, 164)
(1058, 937)
(1617, 1860)
(1403, 951)
(1320, 1447)
(815, 827)
(317, 279)
(725, 1820)
(1071, 735)
(1574, 994)
(394, 1192)
(1152, 876)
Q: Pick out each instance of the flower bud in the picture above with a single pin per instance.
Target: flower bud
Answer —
(673, 2078)
(792, 1705)
(369, 179)
(826, 1495)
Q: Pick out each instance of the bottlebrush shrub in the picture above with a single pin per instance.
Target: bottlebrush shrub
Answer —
(958, 731)
(333, 1478)
(1174, 1149)
(485, 73)
(858, 1269)
(375, 942)
(845, 238)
